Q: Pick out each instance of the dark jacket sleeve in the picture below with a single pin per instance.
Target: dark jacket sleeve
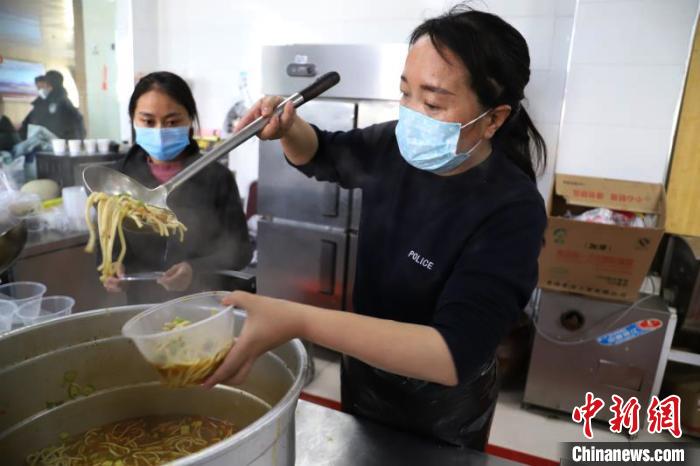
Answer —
(71, 122)
(490, 285)
(229, 246)
(25, 125)
(349, 158)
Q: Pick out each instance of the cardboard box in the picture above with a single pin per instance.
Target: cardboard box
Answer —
(605, 261)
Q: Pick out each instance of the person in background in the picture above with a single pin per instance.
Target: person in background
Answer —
(39, 107)
(450, 233)
(57, 113)
(163, 114)
(8, 132)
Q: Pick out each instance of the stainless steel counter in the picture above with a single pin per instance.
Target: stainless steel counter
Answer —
(59, 261)
(325, 436)
(48, 241)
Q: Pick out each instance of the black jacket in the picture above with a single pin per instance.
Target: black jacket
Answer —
(217, 234)
(8, 134)
(458, 253)
(57, 114)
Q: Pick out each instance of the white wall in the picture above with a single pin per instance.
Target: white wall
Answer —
(209, 42)
(100, 69)
(628, 66)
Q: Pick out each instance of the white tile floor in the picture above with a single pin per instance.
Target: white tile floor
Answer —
(533, 432)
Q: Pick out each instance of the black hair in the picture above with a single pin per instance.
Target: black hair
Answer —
(54, 78)
(174, 87)
(40, 79)
(498, 60)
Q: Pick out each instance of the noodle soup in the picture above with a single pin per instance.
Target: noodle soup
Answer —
(184, 339)
(142, 441)
(183, 374)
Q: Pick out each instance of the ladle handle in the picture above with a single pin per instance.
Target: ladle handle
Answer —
(312, 91)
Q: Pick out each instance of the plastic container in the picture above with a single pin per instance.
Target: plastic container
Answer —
(74, 200)
(24, 293)
(75, 146)
(48, 308)
(185, 355)
(58, 146)
(103, 146)
(7, 312)
(24, 204)
(90, 146)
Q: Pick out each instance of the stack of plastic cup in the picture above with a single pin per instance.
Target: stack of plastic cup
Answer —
(23, 293)
(48, 308)
(7, 313)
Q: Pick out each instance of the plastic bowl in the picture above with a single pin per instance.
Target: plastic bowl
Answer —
(7, 312)
(185, 355)
(48, 308)
(22, 293)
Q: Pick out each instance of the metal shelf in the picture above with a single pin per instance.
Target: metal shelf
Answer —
(685, 357)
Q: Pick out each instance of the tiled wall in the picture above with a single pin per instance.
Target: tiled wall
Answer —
(209, 42)
(628, 66)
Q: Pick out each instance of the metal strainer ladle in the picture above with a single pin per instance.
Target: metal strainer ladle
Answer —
(107, 180)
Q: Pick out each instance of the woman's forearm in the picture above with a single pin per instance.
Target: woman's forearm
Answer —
(411, 350)
(300, 142)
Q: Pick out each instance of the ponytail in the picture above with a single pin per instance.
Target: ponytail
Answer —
(519, 139)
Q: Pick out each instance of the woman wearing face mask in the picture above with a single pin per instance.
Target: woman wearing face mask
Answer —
(449, 237)
(163, 113)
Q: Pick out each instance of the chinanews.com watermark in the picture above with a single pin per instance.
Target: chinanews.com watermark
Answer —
(662, 415)
(618, 453)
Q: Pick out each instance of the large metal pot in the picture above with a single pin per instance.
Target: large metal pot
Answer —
(79, 372)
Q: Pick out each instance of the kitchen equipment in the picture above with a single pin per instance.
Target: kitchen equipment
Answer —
(585, 344)
(307, 233)
(119, 403)
(44, 309)
(13, 236)
(142, 277)
(88, 349)
(68, 171)
(107, 180)
(207, 337)
(7, 312)
(680, 284)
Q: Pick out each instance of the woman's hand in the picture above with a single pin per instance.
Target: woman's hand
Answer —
(113, 284)
(278, 126)
(270, 322)
(177, 278)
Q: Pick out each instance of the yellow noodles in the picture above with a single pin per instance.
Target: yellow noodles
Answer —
(111, 213)
(147, 441)
(192, 372)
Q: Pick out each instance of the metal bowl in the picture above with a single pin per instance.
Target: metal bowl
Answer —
(12, 241)
(79, 372)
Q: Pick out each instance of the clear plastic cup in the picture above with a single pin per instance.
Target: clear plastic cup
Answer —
(49, 308)
(187, 354)
(7, 313)
(22, 293)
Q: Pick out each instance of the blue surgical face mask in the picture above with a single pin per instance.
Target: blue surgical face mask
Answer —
(163, 143)
(430, 144)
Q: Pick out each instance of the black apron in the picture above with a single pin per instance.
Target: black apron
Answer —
(459, 416)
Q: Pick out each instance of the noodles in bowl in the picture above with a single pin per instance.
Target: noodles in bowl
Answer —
(185, 339)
